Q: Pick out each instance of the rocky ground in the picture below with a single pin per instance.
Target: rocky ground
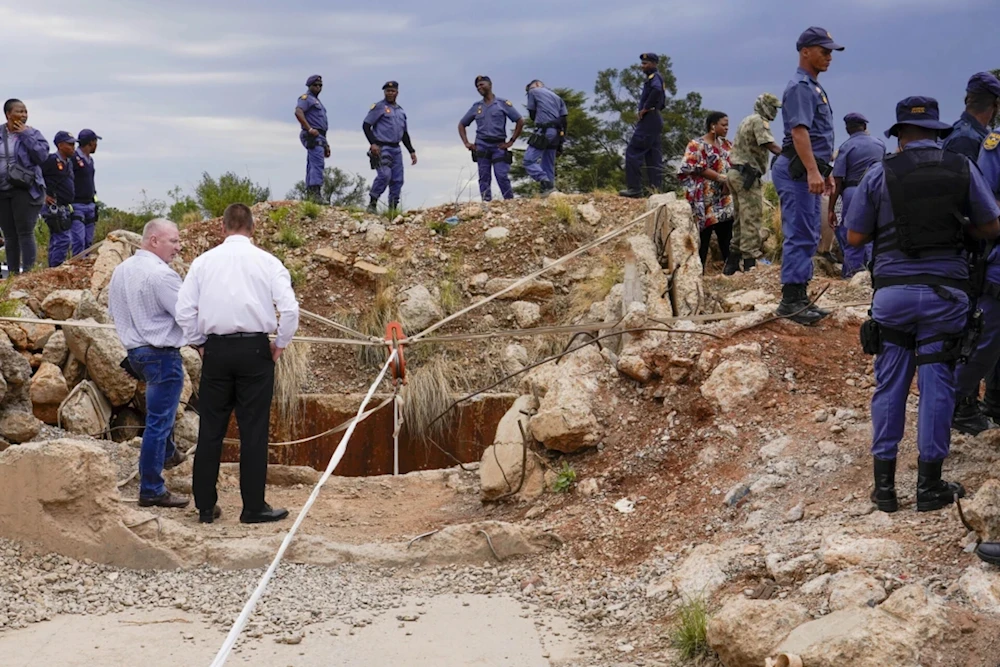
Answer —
(724, 461)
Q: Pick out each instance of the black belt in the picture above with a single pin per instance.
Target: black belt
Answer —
(153, 347)
(238, 334)
(386, 144)
(490, 140)
(851, 184)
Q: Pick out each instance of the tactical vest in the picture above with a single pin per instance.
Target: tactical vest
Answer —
(929, 190)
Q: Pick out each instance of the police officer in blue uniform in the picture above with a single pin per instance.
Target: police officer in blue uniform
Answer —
(492, 148)
(57, 171)
(921, 206)
(860, 151)
(385, 127)
(311, 114)
(802, 173)
(645, 146)
(550, 115)
(981, 98)
(85, 197)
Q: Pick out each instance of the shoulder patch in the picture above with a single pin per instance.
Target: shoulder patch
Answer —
(508, 103)
(304, 97)
(652, 76)
(992, 141)
(371, 107)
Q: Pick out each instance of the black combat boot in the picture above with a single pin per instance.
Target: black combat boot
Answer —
(633, 194)
(933, 493)
(991, 404)
(884, 493)
(313, 193)
(823, 312)
(968, 418)
(749, 263)
(795, 300)
(394, 205)
(732, 263)
(989, 552)
(372, 205)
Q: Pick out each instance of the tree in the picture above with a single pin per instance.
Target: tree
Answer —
(213, 196)
(339, 188)
(586, 163)
(616, 100)
(184, 208)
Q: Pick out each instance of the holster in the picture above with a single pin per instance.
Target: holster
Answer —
(58, 221)
(507, 157)
(750, 175)
(797, 170)
(871, 337)
(539, 140)
(970, 336)
(373, 160)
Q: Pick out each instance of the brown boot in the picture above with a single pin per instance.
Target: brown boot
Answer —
(166, 500)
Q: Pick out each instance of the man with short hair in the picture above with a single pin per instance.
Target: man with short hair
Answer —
(491, 150)
(549, 113)
(226, 308)
(142, 298)
(645, 148)
(311, 114)
(85, 197)
(57, 213)
(385, 128)
(982, 97)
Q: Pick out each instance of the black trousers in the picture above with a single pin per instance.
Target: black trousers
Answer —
(723, 234)
(18, 215)
(236, 373)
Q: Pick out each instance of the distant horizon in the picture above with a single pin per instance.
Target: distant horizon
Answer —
(180, 90)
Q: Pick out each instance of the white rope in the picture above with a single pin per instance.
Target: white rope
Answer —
(397, 425)
(241, 621)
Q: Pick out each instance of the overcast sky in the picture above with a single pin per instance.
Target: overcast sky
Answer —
(181, 87)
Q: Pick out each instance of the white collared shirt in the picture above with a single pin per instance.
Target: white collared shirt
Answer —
(142, 296)
(235, 288)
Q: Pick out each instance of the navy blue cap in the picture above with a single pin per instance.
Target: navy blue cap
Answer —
(816, 36)
(86, 136)
(391, 84)
(315, 78)
(649, 57)
(855, 119)
(983, 82)
(919, 111)
(482, 77)
(63, 137)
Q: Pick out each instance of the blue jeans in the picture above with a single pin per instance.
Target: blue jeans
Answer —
(918, 310)
(800, 225)
(163, 372)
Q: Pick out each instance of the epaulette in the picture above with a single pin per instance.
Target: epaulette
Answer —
(992, 141)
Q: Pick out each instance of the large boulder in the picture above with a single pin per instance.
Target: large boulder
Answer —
(565, 420)
(186, 430)
(841, 551)
(651, 283)
(510, 456)
(101, 352)
(86, 412)
(744, 632)
(419, 309)
(981, 586)
(983, 511)
(118, 246)
(74, 371)
(62, 303)
(16, 371)
(35, 334)
(533, 289)
(90, 307)
(192, 364)
(526, 314)
(48, 389)
(55, 350)
(676, 238)
(17, 427)
(735, 381)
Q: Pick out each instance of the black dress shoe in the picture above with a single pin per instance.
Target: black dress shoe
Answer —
(989, 552)
(632, 194)
(266, 514)
(208, 516)
(167, 499)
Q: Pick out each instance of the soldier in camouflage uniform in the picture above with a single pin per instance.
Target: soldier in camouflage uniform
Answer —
(751, 146)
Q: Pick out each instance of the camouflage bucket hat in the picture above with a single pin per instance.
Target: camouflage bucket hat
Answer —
(767, 106)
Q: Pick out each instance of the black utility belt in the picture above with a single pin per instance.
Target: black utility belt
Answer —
(491, 140)
(797, 170)
(851, 184)
(386, 144)
(239, 334)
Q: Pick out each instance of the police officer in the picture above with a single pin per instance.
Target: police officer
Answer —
(549, 112)
(85, 197)
(912, 205)
(860, 151)
(751, 146)
(57, 171)
(491, 149)
(385, 128)
(802, 172)
(311, 114)
(645, 148)
(982, 93)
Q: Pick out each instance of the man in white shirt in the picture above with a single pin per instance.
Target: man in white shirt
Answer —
(226, 308)
(142, 297)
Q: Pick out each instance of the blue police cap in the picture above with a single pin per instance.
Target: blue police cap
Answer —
(816, 36)
(483, 78)
(315, 78)
(391, 84)
(86, 136)
(855, 119)
(984, 82)
(649, 57)
(919, 111)
(63, 137)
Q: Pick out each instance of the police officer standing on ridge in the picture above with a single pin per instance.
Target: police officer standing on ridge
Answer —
(550, 115)
(85, 199)
(311, 114)
(981, 99)
(802, 172)
(491, 149)
(751, 145)
(57, 171)
(385, 127)
(920, 206)
(645, 146)
(860, 151)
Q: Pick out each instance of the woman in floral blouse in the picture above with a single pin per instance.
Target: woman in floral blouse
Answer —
(703, 175)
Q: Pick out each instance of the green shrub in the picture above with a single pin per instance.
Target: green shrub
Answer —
(310, 209)
(214, 196)
(290, 237)
(279, 215)
(565, 480)
(690, 629)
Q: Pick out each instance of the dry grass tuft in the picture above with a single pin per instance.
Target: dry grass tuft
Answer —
(290, 372)
(594, 288)
(429, 392)
(373, 322)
